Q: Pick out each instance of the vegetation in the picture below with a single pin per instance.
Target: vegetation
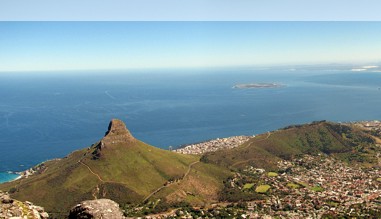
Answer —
(151, 207)
(303, 184)
(126, 172)
(272, 174)
(262, 189)
(317, 189)
(201, 186)
(132, 171)
(265, 150)
(248, 186)
(293, 185)
(240, 188)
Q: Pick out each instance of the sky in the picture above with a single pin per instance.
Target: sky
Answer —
(191, 10)
(49, 46)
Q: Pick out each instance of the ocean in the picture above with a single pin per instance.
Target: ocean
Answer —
(47, 115)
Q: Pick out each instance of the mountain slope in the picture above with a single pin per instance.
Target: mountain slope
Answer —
(118, 167)
(126, 170)
(347, 143)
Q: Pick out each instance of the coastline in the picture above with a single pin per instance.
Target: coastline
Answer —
(192, 148)
(9, 176)
(24, 174)
(19, 177)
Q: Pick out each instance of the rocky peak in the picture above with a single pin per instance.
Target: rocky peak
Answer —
(97, 209)
(117, 134)
(117, 129)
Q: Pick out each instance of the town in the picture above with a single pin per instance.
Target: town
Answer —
(369, 125)
(213, 145)
(319, 186)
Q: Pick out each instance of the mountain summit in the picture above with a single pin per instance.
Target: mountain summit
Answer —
(117, 131)
(117, 135)
(118, 167)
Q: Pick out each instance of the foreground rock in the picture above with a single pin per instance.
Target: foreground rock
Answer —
(11, 208)
(97, 209)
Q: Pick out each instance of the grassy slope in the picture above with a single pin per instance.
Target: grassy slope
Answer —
(201, 186)
(264, 151)
(51, 190)
(143, 168)
(129, 174)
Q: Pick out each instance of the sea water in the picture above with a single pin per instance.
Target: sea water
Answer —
(5, 176)
(48, 115)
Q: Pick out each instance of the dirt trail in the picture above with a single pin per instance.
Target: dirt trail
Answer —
(152, 193)
(245, 161)
(95, 174)
(162, 187)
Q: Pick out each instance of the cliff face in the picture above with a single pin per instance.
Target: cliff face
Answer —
(13, 208)
(117, 132)
(116, 135)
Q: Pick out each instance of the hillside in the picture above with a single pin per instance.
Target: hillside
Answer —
(347, 143)
(118, 167)
(139, 176)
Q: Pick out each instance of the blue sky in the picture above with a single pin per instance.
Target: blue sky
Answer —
(191, 10)
(35, 46)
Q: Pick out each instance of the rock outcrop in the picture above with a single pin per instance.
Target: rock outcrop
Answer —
(117, 134)
(96, 209)
(11, 208)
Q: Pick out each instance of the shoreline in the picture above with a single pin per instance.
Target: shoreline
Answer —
(7, 174)
(28, 172)
(19, 177)
(197, 147)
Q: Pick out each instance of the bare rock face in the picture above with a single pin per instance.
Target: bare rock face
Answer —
(11, 208)
(97, 209)
(116, 135)
(117, 127)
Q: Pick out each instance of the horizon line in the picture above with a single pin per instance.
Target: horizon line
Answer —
(349, 63)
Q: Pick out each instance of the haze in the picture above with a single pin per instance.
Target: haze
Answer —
(53, 46)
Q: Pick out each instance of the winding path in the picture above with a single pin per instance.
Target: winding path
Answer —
(152, 193)
(95, 174)
(245, 161)
(169, 184)
(189, 168)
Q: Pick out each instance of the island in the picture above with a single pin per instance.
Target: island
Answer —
(257, 85)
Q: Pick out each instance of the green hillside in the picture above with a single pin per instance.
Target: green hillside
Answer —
(345, 142)
(132, 173)
(118, 167)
